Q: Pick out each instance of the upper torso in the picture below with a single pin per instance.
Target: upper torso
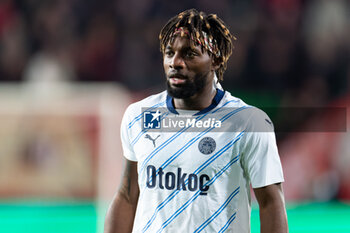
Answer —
(198, 180)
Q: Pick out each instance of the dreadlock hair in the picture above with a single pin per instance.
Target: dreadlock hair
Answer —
(196, 23)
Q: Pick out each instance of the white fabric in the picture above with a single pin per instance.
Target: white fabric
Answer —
(242, 157)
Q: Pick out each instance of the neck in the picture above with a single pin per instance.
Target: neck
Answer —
(199, 101)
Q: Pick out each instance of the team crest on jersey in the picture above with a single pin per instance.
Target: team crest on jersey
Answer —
(151, 119)
(207, 145)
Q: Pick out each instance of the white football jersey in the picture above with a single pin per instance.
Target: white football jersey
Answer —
(197, 177)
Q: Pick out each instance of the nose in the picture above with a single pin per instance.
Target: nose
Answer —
(177, 62)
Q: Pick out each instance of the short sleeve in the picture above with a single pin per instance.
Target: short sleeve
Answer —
(125, 130)
(260, 158)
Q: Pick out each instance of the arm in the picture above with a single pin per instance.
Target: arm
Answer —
(273, 217)
(121, 213)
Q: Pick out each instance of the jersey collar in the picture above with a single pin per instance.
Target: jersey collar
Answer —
(216, 100)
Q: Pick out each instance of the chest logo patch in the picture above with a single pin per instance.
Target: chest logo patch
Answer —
(207, 145)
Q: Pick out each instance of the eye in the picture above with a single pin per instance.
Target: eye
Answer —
(191, 54)
(169, 53)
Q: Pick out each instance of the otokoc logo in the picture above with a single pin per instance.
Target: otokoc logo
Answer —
(151, 119)
(176, 180)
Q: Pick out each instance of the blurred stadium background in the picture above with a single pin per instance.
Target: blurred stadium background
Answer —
(69, 68)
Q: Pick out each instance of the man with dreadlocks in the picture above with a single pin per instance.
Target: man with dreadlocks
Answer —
(196, 179)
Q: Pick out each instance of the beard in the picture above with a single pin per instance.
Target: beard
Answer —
(189, 88)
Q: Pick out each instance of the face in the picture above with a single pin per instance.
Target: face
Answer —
(188, 70)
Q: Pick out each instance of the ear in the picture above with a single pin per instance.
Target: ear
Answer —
(216, 62)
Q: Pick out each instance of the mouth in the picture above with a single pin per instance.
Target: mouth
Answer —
(177, 79)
